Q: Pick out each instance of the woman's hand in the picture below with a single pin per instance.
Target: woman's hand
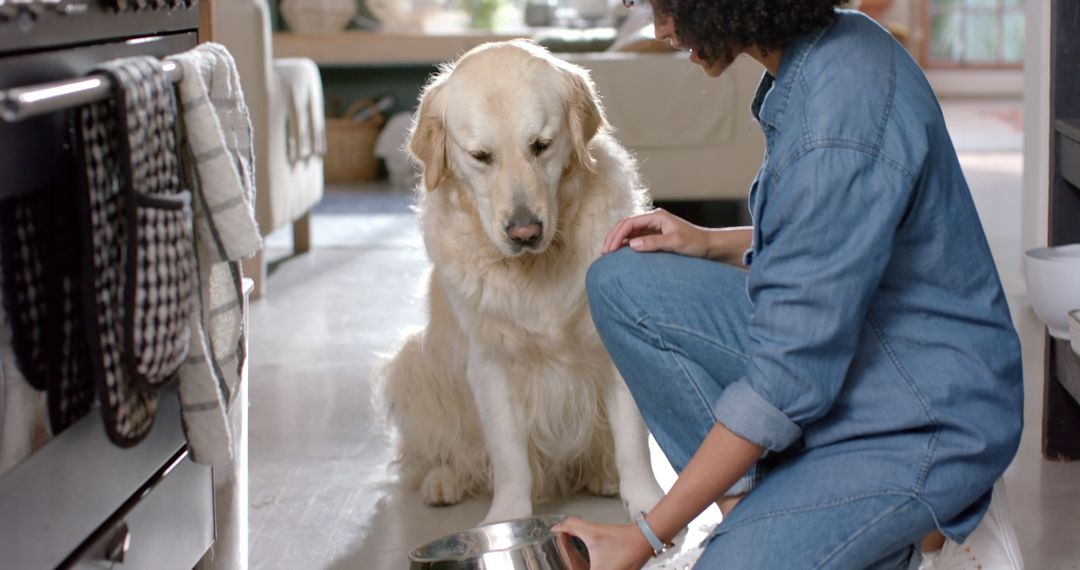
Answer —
(660, 230)
(611, 547)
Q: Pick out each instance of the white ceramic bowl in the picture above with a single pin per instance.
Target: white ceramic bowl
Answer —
(1053, 285)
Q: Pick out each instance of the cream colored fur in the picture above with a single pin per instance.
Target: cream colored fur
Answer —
(509, 389)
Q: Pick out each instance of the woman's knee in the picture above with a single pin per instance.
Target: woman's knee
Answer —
(605, 282)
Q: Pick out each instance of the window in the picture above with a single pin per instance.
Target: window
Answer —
(974, 33)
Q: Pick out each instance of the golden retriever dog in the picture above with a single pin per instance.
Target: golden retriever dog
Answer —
(509, 389)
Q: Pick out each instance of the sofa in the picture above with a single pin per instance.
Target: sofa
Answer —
(693, 135)
(285, 99)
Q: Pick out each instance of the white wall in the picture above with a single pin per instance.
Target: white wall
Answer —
(1036, 126)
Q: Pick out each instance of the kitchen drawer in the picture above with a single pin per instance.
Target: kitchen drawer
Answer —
(169, 526)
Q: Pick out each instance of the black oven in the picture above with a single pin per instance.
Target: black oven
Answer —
(80, 501)
(55, 43)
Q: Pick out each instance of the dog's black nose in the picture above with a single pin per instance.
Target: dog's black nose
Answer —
(523, 228)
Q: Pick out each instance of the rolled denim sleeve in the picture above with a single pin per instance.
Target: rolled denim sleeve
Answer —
(827, 226)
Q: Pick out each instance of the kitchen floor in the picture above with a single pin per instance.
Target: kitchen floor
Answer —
(323, 491)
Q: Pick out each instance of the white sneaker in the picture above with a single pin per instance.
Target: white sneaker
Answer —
(991, 546)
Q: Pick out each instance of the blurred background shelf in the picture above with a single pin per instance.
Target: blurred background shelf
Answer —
(358, 47)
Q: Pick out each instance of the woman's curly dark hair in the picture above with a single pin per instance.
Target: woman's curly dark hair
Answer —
(718, 29)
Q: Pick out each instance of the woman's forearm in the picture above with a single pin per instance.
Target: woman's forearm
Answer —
(721, 459)
(729, 244)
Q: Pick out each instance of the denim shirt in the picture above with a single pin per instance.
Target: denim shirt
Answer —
(879, 329)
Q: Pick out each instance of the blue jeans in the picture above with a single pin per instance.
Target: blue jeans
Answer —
(675, 328)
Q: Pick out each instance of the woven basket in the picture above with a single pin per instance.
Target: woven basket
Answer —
(317, 16)
(350, 146)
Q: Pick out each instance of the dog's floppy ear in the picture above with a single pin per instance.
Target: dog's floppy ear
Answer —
(584, 113)
(427, 138)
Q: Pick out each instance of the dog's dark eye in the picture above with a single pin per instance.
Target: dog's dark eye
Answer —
(539, 146)
(481, 156)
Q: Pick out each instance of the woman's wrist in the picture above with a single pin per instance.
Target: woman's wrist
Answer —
(665, 528)
(657, 544)
(728, 244)
(717, 464)
(640, 548)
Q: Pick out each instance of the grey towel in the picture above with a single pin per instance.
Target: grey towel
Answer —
(220, 168)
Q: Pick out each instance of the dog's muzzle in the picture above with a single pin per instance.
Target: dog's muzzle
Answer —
(524, 229)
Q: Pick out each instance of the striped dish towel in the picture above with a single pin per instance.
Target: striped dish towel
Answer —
(217, 147)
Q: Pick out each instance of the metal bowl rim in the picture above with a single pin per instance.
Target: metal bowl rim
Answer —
(414, 554)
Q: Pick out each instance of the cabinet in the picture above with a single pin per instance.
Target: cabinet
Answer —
(1061, 403)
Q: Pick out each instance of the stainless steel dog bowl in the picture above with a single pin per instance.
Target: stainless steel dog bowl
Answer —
(520, 544)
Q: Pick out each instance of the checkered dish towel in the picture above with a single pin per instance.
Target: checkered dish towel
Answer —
(143, 259)
(41, 239)
(218, 153)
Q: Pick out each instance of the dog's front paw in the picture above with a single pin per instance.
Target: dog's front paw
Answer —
(440, 488)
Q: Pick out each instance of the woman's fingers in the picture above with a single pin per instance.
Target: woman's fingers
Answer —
(654, 242)
(609, 239)
(610, 547)
(649, 222)
(589, 534)
(574, 526)
(618, 233)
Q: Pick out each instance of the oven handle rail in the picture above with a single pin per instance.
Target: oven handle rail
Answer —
(25, 102)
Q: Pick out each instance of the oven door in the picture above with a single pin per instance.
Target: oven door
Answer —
(70, 503)
(38, 154)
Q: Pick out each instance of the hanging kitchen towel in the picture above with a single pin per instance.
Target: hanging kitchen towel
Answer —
(160, 264)
(40, 244)
(24, 287)
(142, 245)
(127, 411)
(70, 384)
(218, 129)
(219, 157)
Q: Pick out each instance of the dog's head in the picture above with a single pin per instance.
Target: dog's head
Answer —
(507, 121)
